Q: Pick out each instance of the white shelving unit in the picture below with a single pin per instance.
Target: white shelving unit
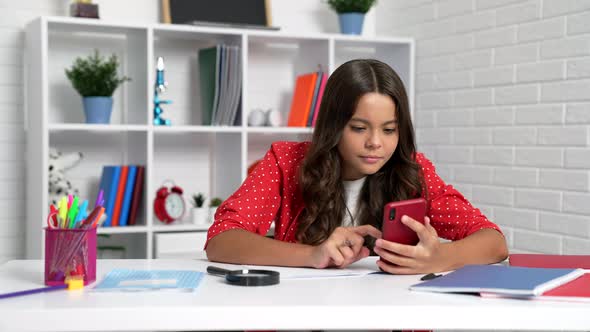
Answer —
(208, 159)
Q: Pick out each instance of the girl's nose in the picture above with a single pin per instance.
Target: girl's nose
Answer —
(373, 141)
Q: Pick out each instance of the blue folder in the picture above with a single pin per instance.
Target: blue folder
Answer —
(499, 279)
(109, 182)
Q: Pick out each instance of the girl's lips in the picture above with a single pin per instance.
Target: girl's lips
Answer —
(370, 159)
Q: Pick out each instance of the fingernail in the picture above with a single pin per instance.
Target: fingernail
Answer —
(379, 242)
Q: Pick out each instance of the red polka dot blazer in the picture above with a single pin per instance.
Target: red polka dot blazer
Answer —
(271, 193)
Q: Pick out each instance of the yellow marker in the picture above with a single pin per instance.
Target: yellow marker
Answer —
(63, 211)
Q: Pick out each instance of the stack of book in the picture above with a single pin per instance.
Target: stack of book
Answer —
(220, 74)
(122, 187)
(305, 105)
(569, 282)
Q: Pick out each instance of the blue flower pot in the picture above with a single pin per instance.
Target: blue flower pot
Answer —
(351, 23)
(98, 109)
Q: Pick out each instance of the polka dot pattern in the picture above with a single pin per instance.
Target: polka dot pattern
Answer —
(450, 212)
(271, 194)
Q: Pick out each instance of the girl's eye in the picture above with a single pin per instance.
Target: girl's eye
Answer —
(355, 128)
(390, 130)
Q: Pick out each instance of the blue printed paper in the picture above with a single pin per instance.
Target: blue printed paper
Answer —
(150, 280)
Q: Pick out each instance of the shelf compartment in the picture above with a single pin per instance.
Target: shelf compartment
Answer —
(197, 162)
(274, 62)
(100, 149)
(180, 245)
(134, 245)
(64, 46)
(180, 51)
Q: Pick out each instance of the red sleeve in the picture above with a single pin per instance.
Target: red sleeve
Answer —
(253, 207)
(450, 213)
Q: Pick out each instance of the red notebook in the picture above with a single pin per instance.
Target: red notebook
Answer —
(550, 261)
(579, 287)
(577, 290)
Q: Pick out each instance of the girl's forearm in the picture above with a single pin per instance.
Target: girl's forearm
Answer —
(486, 246)
(242, 247)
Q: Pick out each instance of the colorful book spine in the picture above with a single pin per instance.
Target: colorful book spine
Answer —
(137, 195)
(314, 101)
(319, 101)
(302, 99)
(125, 206)
(109, 183)
(119, 197)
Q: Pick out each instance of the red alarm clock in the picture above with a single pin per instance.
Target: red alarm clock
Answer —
(169, 204)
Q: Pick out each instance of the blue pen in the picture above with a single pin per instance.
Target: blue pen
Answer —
(81, 212)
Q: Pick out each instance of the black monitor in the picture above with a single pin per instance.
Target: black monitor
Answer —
(233, 13)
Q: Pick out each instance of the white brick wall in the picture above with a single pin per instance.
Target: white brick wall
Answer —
(503, 107)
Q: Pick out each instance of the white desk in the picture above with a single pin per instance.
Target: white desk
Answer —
(370, 302)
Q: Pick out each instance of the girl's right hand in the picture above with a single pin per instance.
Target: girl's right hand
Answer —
(343, 247)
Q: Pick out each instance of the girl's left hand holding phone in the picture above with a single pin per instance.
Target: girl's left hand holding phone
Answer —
(406, 259)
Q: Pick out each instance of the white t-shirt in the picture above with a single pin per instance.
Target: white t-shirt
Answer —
(352, 190)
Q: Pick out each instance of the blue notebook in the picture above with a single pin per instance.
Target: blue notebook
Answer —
(109, 182)
(499, 279)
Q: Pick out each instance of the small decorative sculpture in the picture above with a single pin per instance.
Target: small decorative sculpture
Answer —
(59, 163)
(159, 88)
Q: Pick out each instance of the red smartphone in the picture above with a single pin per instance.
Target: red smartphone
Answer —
(393, 229)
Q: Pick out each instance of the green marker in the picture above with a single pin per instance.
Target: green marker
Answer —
(72, 213)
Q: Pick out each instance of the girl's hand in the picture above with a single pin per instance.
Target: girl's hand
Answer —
(425, 257)
(343, 247)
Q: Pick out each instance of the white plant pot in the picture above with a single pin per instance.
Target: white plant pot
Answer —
(200, 216)
(212, 211)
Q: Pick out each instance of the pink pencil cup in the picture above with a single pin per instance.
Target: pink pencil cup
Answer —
(69, 253)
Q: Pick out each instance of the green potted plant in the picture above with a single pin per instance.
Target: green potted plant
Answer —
(200, 213)
(351, 14)
(96, 79)
(213, 205)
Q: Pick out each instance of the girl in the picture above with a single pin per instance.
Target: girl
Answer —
(326, 197)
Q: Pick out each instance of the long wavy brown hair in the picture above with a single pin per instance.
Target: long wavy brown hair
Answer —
(320, 174)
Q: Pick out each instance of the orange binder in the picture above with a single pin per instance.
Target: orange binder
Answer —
(302, 99)
(120, 194)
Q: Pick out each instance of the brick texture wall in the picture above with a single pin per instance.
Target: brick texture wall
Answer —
(503, 109)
